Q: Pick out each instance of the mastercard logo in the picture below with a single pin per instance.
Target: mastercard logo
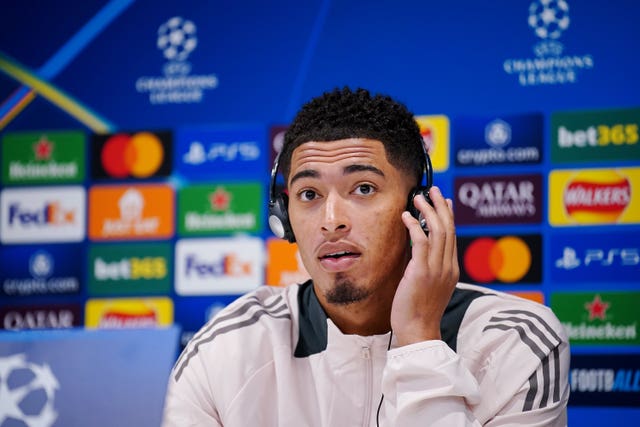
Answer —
(506, 259)
(139, 155)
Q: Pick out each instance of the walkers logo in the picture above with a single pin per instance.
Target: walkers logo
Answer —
(285, 264)
(435, 134)
(548, 20)
(599, 318)
(54, 316)
(40, 270)
(595, 135)
(176, 40)
(593, 257)
(604, 380)
(498, 199)
(42, 214)
(129, 313)
(219, 266)
(501, 259)
(594, 196)
(133, 268)
(122, 212)
(212, 152)
(137, 155)
(27, 392)
(43, 157)
(220, 209)
(513, 139)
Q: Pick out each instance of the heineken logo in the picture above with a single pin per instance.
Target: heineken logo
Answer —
(220, 209)
(43, 157)
(598, 318)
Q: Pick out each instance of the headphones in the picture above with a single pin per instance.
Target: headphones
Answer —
(278, 203)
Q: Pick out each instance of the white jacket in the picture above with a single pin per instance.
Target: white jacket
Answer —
(273, 358)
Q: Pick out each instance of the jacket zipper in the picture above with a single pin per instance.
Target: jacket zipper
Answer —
(366, 355)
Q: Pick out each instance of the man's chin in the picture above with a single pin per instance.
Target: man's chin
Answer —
(344, 292)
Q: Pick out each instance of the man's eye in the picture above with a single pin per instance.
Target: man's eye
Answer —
(307, 195)
(364, 189)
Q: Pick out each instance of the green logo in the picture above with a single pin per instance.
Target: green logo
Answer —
(595, 135)
(132, 268)
(598, 318)
(220, 209)
(43, 157)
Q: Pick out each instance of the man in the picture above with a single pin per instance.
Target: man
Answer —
(382, 334)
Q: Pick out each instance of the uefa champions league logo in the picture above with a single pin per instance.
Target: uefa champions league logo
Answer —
(177, 38)
(548, 19)
(41, 265)
(27, 392)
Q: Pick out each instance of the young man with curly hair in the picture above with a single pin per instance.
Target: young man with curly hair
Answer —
(383, 333)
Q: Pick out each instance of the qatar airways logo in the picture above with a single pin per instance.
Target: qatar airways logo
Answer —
(498, 199)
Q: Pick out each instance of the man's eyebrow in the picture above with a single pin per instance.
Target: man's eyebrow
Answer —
(362, 168)
(307, 173)
(310, 173)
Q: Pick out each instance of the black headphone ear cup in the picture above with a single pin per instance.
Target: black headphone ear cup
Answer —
(411, 207)
(279, 218)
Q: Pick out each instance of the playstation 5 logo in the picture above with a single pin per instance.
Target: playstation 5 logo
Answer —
(626, 257)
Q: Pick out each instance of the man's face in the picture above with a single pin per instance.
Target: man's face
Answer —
(345, 206)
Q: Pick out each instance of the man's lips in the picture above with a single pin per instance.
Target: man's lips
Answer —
(338, 257)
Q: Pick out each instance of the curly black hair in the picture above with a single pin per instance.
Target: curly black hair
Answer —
(345, 113)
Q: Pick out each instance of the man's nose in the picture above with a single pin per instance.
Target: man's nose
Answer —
(336, 215)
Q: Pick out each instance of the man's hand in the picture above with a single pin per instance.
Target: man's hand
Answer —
(431, 275)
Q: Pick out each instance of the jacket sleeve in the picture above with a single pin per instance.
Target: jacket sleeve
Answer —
(187, 402)
(513, 372)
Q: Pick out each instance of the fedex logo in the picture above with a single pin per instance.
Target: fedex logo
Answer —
(51, 214)
(228, 265)
(219, 266)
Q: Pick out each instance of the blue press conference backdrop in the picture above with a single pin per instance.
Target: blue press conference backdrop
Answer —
(138, 136)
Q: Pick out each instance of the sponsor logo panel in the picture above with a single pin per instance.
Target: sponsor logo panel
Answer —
(515, 139)
(43, 157)
(133, 268)
(53, 316)
(605, 380)
(128, 313)
(509, 199)
(42, 214)
(500, 259)
(220, 209)
(40, 270)
(595, 135)
(435, 134)
(136, 155)
(285, 264)
(207, 152)
(131, 212)
(219, 266)
(594, 196)
(598, 318)
(593, 257)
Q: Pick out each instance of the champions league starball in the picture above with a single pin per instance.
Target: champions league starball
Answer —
(549, 18)
(177, 38)
(27, 392)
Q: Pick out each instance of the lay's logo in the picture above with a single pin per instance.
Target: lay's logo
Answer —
(594, 196)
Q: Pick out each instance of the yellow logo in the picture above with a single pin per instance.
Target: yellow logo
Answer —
(435, 133)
